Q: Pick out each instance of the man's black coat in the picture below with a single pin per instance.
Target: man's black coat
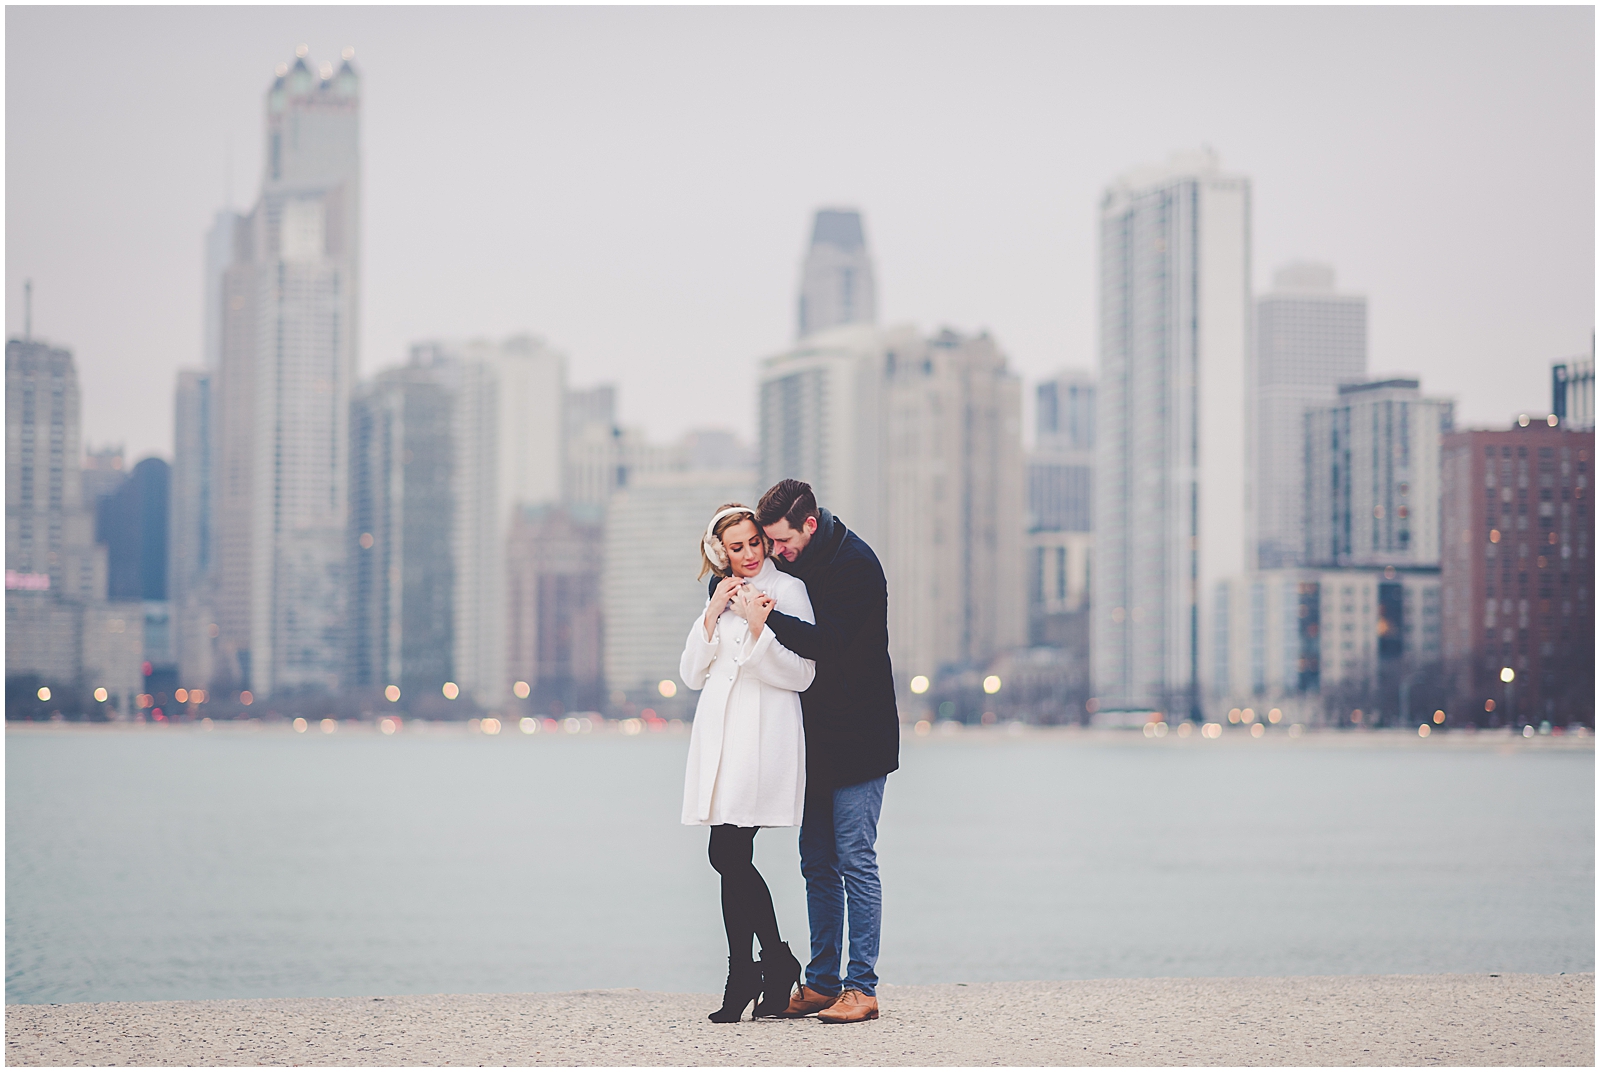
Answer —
(852, 727)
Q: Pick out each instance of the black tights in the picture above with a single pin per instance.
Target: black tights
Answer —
(746, 901)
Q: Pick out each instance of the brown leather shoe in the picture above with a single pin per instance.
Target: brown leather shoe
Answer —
(852, 1008)
(806, 1001)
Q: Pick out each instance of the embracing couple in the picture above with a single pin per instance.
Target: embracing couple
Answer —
(796, 725)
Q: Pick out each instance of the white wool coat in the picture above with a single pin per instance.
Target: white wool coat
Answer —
(747, 748)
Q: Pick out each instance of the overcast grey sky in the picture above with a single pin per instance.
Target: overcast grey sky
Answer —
(636, 184)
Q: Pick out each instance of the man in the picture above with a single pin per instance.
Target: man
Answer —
(852, 743)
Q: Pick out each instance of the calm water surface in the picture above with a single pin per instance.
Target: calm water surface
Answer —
(184, 864)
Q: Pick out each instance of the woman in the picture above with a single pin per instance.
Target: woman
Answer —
(747, 750)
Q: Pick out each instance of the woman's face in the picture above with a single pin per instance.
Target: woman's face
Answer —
(744, 547)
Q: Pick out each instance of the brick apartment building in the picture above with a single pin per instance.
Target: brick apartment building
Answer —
(1517, 575)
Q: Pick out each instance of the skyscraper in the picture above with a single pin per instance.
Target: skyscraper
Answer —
(401, 608)
(496, 445)
(553, 619)
(593, 445)
(915, 444)
(203, 623)
(1170, 454)
(532, 395)
(479, 525)
(222, 243)
(822, 414)
(836, 284)
(132, 523)
(233, 438)
(648, 592)
(1060, 511)
(49, 529)
(190, 528)
(1309, 339)
(61, 634)
(284, 326)
(953, 505)
(524, 382)
(1372, 476)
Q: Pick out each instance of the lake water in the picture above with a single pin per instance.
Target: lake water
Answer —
(175, 863)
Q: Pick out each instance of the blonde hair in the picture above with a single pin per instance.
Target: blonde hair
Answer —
(708, 566)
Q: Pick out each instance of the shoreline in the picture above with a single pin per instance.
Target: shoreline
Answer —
(1325, 1020)
(1503, 739)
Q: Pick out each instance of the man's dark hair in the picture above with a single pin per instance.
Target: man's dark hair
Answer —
(791, 500)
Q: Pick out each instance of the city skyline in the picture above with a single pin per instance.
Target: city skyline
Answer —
(1373, 178)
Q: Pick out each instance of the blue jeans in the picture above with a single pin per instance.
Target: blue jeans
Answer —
(840, 866)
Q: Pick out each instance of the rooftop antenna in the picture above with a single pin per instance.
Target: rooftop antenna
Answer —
(227, 176)
(27, 310)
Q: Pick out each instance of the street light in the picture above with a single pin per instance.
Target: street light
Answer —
(1508, 676)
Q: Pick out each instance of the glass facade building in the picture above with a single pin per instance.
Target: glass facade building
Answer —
(1170, 452)
(1309, 340)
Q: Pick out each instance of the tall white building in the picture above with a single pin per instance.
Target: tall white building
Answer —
(822, 406)
(1372, 476)
(1309, 339)
(221, 251)
(532, 395)
(233, 438)
(836, 284)
(648, 592)
(1171, 495)
(952, 544)
(191, 542)
(305, 250)
(593, 445)
(916, 445)
(61, 633)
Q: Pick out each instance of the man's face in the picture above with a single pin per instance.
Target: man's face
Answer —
(788, 542)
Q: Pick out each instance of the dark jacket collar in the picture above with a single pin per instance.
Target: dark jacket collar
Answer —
(820, 550)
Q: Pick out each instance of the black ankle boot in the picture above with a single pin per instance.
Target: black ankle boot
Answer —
(780, 974)
(744, 986)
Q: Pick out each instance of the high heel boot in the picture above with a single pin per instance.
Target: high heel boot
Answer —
(780, 974)
(743, 987)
